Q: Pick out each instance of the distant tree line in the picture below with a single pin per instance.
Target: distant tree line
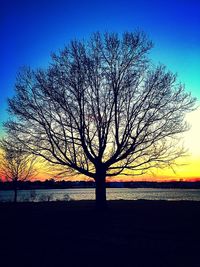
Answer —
(53, 184)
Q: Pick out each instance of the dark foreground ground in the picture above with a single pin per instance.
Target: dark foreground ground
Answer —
(130, 233)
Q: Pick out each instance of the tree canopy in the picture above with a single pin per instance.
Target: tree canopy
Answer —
(101, 108)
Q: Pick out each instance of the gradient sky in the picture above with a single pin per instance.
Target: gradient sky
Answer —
(31, 30)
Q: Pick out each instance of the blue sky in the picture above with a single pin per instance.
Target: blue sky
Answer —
(31, 30)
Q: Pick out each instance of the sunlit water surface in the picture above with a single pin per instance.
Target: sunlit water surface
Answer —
(112, 194)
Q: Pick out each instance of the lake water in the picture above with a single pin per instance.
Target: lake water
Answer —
(112, 194)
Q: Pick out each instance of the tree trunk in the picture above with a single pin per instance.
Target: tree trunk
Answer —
(15, 194)
(15, 184)
(101, 190)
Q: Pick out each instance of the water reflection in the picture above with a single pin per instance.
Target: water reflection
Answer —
(112, 194)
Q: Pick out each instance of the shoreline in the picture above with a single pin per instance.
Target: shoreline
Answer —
(129, 234)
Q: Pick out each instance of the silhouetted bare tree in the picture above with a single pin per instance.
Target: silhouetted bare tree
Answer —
(16, 165)
(101, 109)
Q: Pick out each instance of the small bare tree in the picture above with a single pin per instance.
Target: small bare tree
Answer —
(101, 109)
(16, 165)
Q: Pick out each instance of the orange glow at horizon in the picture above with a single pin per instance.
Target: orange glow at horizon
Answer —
(188, 170)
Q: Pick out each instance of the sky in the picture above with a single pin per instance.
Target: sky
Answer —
(31, 29)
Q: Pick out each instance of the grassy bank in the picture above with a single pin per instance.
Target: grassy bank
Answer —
(129, 233)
